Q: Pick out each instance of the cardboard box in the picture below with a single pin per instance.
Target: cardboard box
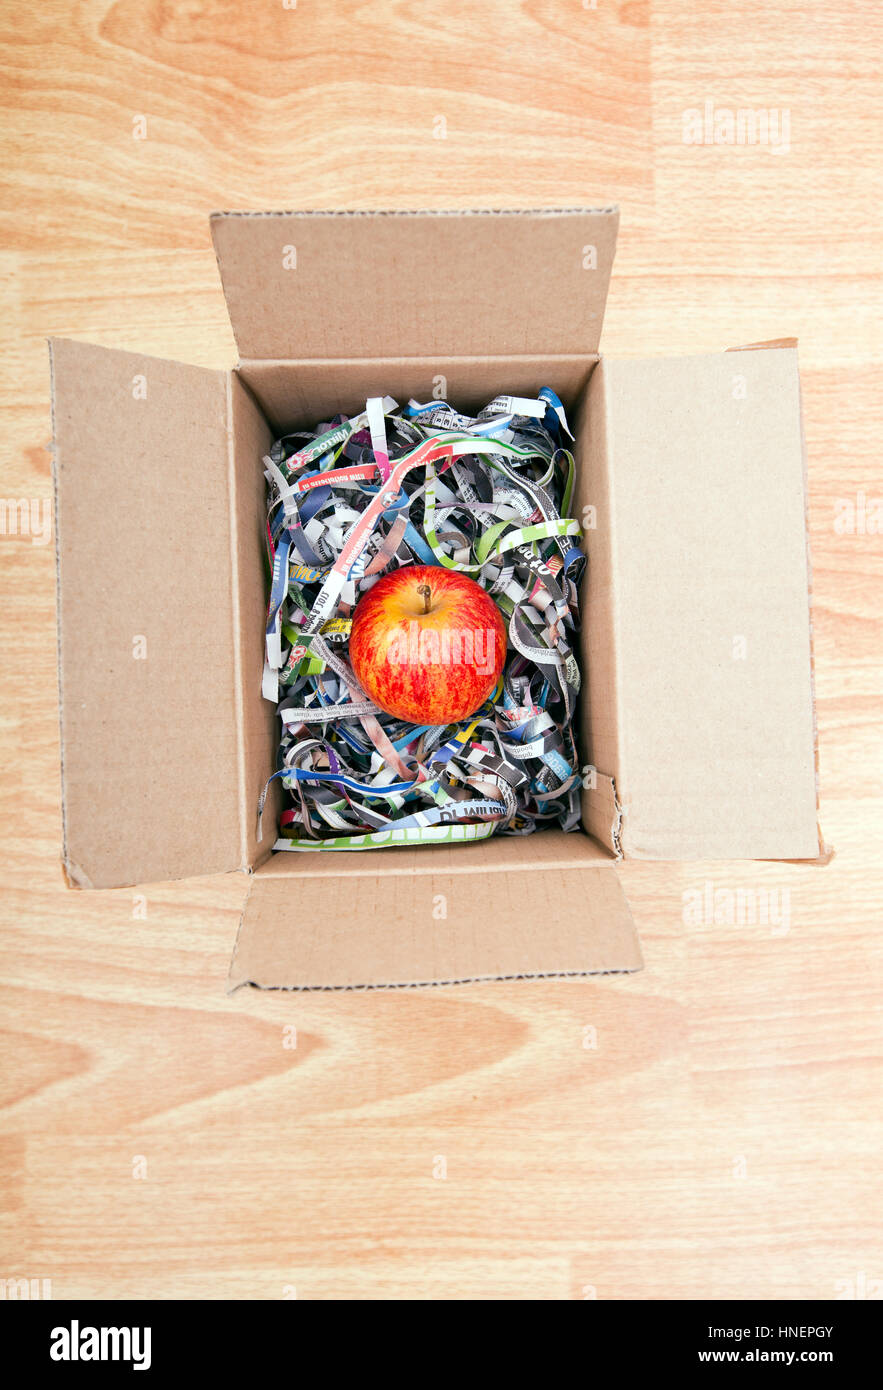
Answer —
(697, 705)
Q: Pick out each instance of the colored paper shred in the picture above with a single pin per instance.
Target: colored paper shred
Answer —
(487, 495)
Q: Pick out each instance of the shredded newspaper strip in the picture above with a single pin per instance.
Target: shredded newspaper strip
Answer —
(487, 495)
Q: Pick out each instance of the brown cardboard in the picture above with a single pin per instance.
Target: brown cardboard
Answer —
(248, 439)
(296, 395)
(701, 574)
(387, 919)
(412, 284)
(148, 718)
(553, 849)
(689, 484)
(598, 730)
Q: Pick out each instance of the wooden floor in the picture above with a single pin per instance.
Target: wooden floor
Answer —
(723, 1137)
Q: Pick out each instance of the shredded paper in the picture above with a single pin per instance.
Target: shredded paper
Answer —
(487, 495)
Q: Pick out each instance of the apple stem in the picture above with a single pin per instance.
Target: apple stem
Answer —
(425, 590)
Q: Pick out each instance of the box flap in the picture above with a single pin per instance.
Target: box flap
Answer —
(415, 284)
(703, 517)
(150, 764)
(390, 919)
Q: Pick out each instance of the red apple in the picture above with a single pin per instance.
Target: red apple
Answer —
(427, 644)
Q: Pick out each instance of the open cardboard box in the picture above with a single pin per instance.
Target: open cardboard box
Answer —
(696, 719)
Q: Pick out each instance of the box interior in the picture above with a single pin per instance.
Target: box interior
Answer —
(299, 394)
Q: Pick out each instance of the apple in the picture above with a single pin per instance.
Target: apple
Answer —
(427, 644)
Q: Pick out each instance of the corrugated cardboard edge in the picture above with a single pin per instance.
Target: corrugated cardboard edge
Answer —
(429, 984)
(602, 814)
(74, 876)
(826, 851)
(418, 212)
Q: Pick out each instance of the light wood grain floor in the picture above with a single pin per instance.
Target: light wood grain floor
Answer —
(723, 1137)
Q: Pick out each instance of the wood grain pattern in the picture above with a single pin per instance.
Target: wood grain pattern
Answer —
(722, 1138)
